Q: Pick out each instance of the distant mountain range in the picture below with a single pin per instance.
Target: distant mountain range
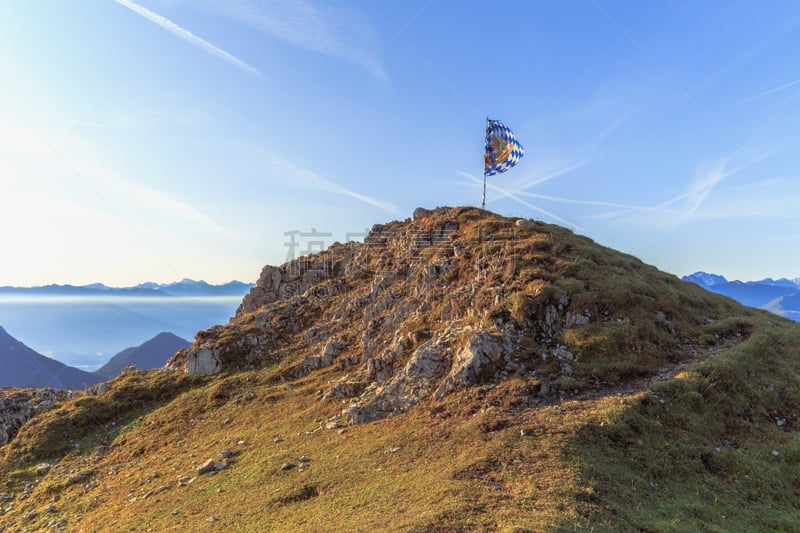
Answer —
(23, 367)
(185, 287)
(152, 354)
(781, 296)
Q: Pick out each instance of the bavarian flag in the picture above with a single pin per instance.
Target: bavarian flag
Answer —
(503, 150)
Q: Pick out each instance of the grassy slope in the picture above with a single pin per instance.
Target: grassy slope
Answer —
(612, 457)
(703, 459)
(605, 463)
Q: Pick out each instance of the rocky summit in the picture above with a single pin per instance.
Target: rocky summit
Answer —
(456, 297)
(456, 371)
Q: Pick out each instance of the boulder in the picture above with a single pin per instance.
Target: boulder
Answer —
(203, 360)
(481, 352)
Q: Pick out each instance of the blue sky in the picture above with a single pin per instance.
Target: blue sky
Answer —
(162, 139)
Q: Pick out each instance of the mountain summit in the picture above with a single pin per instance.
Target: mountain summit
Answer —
(458, 371)
(458, 297)
(150, 354)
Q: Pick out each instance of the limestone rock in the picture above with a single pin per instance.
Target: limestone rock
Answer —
(482, 351)
(210, 466)
(203, 360)
(407, 387)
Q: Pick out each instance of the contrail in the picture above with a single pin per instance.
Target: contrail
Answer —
(510, 194)
(773, 90)
(185, 34)
(304, 177)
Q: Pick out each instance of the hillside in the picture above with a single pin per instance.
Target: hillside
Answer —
(460, 371)
(23, 367)
(153, 353)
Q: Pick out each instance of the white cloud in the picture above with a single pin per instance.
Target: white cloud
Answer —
(185, 34)
(327, 28)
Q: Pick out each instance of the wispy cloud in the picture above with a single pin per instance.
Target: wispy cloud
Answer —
(692, 204)
(185, 34)
(328, 28)
(303, 177)
(771, 91)
(706, 180)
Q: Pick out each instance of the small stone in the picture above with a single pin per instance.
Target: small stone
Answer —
(50, 509)
(781, 422)
(287, 466)
(209, 466)
(227, 453)
(341, 431)
(212, 518)
(332, 425)
(524, 432)
(175, 512)
(288, 386)
(277, 439)
(43, 469)
(775, 453)
(227, 421)
(80, 477)
(394, 449)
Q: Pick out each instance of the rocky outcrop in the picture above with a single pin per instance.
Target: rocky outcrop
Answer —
(427, 307)
(203, 360)
(407, 387)
(479, 358)
(17, 406)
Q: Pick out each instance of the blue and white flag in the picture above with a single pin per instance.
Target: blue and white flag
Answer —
(503, 150)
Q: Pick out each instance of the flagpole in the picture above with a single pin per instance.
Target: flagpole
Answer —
(483, 200)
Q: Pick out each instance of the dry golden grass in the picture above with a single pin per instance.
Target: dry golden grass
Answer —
(619, 445)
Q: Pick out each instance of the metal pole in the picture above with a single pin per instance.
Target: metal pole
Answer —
(483, 200)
